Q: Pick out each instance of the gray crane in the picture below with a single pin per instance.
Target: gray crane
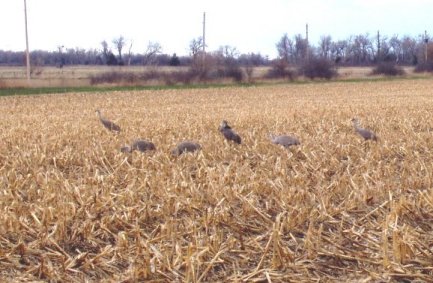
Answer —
(185, 146)
(365, 133)
(107, 123)
(228, 132)
(284, 140)
(140, 145)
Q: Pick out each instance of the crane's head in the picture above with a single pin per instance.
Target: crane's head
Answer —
(224, 125)
(355, 121)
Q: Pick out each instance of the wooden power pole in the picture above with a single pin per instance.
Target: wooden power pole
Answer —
(306, 32)
(204, 40)
(379, 53)
(27, 43)
(306, 39)
(425, 46)
(204, 32)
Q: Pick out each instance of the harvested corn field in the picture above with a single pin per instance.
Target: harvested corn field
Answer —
(333, 208)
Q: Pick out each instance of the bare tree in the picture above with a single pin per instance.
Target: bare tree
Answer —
(361, 49)
(395, 47)
(119, 43)
(325, 44)
(105, 49)
(196, 46)
(152, 50)
(382, 48)
(255, 59)
(385, 49)
(339, 50)
(229, 51)
(301, 48)
(285, 48)
(228, 54)
(107, 55)
(409, 50)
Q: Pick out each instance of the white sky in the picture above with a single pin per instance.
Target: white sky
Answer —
(248, 25)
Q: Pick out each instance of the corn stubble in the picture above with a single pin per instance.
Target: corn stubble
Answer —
(74, 208)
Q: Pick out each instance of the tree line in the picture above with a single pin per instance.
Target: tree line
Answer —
(356, 50)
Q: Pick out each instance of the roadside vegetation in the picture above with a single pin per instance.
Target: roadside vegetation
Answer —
(297, 60)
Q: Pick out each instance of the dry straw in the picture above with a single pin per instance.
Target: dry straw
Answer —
(75, 208)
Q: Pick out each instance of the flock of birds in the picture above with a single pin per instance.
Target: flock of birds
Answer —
(228, 133)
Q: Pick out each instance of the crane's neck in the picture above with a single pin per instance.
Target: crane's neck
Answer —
(356, 124)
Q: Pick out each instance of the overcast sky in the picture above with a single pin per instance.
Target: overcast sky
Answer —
(248, 25)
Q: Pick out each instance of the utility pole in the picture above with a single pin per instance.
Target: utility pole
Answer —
(378, 47)
(27, 43)
(204, 32)
(204, 39)
(425, 46)
(306, 39)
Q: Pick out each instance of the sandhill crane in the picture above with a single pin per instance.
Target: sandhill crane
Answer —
(107, 123)
(228, 133)
(365, 133)
(140, 145)
(284, 140)
(185, 146)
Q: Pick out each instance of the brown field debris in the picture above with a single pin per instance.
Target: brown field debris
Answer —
(334, 208)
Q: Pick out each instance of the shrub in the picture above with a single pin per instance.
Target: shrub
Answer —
(112, 77)
(233, 72)
(280, 69)
(388, 69)
(111, 59)
(424, 67)
(124, 77)
(174, 60)
(151, 74)
(318, 68)
(182, 77)
(168, 78)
